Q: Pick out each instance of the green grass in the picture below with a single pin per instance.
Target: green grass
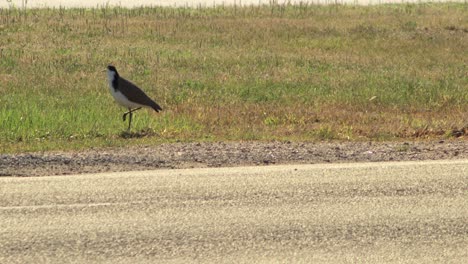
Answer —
(276, 72)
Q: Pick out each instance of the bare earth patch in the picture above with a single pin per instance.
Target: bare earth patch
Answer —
(217, 154)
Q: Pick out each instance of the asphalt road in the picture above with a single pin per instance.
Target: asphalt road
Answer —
(400, 212)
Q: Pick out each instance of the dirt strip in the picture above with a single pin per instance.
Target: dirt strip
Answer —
(217, 154)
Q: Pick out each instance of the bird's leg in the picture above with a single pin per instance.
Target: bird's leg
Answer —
(130, 121)
(124, 117)
(130, 112)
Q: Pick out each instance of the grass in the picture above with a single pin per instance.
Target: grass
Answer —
(273, 72)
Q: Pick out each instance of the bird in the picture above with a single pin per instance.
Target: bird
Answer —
(128, 94)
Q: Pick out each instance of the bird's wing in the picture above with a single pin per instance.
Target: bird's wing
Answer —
(135, 94)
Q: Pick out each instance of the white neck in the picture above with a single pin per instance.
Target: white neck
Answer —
(110, 78)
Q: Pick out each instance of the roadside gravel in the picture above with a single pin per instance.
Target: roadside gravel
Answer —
(226, 154)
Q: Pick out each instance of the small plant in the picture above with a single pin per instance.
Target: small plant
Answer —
(325, 133)
(410, 26)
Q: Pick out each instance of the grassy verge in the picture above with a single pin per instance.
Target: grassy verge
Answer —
(228, 73)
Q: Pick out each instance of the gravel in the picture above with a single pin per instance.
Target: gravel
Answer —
(226, 154)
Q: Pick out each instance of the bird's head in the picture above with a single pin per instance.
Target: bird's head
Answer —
(111, 68)
(112, 72)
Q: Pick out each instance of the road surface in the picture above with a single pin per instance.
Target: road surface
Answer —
(334, 213)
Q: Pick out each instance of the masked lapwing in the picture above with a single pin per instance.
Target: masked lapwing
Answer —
(128, 94)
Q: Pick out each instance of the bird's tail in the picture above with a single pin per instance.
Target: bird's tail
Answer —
(156, 107)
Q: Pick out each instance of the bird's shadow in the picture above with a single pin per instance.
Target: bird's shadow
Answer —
(146, 132)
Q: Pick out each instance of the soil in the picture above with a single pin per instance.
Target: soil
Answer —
(226, 154)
